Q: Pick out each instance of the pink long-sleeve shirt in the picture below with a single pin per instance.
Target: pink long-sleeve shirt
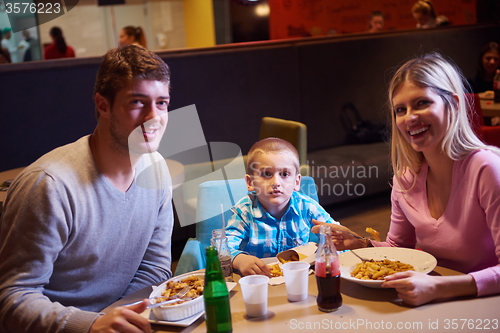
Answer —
(466, 237)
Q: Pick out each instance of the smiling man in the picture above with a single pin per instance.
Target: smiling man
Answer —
(78, 232)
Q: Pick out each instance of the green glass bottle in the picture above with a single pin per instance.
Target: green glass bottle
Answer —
(216, 296)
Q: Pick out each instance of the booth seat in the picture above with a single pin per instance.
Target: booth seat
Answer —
(489, 134)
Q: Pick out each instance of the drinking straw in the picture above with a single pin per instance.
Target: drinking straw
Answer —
(222, 213)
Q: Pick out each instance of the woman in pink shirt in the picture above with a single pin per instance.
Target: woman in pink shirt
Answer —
(446, 192)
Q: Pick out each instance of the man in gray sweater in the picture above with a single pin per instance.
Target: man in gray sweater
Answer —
(78, 231)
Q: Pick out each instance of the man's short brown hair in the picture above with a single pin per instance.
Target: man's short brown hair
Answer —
(274, 146)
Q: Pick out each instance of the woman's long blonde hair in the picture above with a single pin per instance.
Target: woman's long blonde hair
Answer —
(445, 79)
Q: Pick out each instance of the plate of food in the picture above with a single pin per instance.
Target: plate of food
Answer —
(385, 261)
(188, 309)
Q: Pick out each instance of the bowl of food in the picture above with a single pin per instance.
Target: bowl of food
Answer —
(187, 306)
(385, 261)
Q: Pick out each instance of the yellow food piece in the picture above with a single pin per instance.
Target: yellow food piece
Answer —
(374, 233)
(275, 270)
(293, 257)
(378, 270)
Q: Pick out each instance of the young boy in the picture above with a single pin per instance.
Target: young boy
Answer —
(274, 217)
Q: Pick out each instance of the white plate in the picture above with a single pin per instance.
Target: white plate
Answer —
(181, 323)
(184, 322)
(420, 260)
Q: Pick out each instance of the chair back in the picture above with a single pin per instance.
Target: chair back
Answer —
(291, 131)
(475, 113)
(213, 194)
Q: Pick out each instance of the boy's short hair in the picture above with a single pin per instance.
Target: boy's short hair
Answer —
(274, 146)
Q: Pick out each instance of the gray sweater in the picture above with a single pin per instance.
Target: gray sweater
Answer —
(71, 243)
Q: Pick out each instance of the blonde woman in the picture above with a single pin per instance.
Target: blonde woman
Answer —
(446, 188)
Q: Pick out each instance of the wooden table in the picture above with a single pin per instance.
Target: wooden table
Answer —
(363, 310)
(490, 109)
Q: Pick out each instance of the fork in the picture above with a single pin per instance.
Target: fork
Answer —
(180, 294)
(362, 259)
(176, 298)
(347, 232)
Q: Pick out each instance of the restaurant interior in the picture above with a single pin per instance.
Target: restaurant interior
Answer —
(239, 61)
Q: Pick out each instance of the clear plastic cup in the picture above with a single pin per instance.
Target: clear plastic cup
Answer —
(254, 289)
(296, 280)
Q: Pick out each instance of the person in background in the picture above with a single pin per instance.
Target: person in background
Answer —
(78, 231)
(29, 40)
(132, 35)
(4, 57)
(58, 49)
(446, 186)
(425, 15)
(376, 23)
(9, 47)
(4, 54)
(274, 217)
(488, 63)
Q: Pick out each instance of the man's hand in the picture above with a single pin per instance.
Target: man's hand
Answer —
(342, 237)
(250, 265)
(123, 319)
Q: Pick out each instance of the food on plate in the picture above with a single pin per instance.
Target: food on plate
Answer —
(293, 257)
(275, 270)
(374, 233)
(378, 270)
(174, 287)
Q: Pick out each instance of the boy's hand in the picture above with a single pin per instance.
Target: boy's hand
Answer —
(250, 265)
(342, 237)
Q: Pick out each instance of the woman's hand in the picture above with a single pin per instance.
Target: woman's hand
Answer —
(413, 288)
(416, 288)
(123, 319)
(250, 265)
(342, 237)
